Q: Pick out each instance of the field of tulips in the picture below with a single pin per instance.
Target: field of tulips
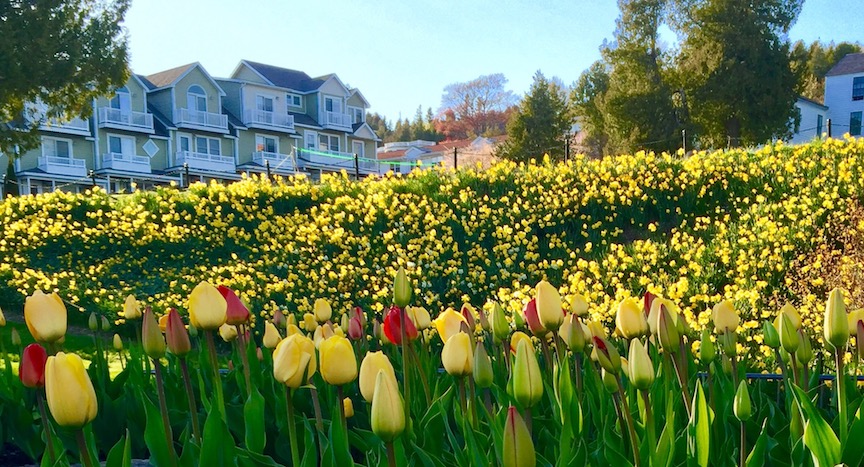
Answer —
(636, 310)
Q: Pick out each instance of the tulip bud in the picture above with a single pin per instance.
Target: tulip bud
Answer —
(355, 329)
(725, 317)
(770, 336)
(788, 335)
(291, 329)
(372, 363)
(15, 338)
(31, 371)
(402, 289)
(533, 318)
(707, 352)
(271, 336)
(499, 324)
(467, 312)
(343, 323)
(2, 319)
(309, 323)
(647, 300)
(859, 338)
(228, 332)
(519, 321)
(294, 360)
(279, 319)
(69, 391)
(641, 372)
(338, 364)
(118, 342)
(457, 356)
(519, 336)
(836, 323)
(93, 322)
(579, 306)
(259, 354)
(741, 405)
(610, 383)
(393, 326)
(45, 315)
(192, 330)
(572, 334)
(855, 316)
(388, 411)
(151, 336)
(208, 309)
(483, 373)
(630, 319)
(597, 329)
(484, 320)
(348, 407)
(163, 323)
(549, 309)
(420, 317)
(448, 323)
(729, 343)
(236, 312)
(131, 308)
(607, 355)
(805, 350)
(790, 312)
(518, 446)
(667, 331)
(527, 384)
(106, 325)
(322, 310)
(176, 334)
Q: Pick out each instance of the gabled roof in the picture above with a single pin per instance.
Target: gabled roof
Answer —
(284, 77)
(851, 63)
(168, 78)
(357, 127)
(362, 97)
(812, 102)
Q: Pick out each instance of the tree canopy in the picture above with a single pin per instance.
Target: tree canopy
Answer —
(478, 107)
(539, 124)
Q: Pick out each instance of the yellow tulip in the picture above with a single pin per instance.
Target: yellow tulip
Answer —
(549, 308)
(131, 308)
(69, 391)
(527, 384)
(292, 329)
(338, 364)
(228, 332)
(45, 315)
(419, 316)
(630, 319)
(836, 322)
(854, 317)
(571, 333)
(579, 306)
(2, 318)
(596, 329)
(457, 355)
(792, 314)
(725, 317)
(448, 323)
(348, 407)
(640, 369)
(118, 343)
(483, 372)
(322, 310)
(271, 335)
(151, 336)
(372, 363)
(293, 359)
(518, 447)
(517, 337)
(309, 323)
(654, 313)
(208, 309)
(388, 411)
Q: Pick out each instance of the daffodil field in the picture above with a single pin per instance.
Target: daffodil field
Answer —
(646, 310)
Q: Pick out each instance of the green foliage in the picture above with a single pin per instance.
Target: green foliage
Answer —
(539, 125)
(812, 62)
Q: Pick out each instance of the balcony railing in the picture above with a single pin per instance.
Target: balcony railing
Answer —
(201, 119)
(63, 166)
(127, 119)
(335, 119)
(126, 162)
(271, 119)
(335, 161)
(278, 162)
(76, 126)
(209, 162)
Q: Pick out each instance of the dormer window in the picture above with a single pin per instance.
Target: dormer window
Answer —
(333, 105)
(196, 98)
(294, 100)
(122, 100)
(858, 88)
(357, 114)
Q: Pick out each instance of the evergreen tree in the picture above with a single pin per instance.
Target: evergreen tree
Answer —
(812, 62)
(587, 101)
(539, 125)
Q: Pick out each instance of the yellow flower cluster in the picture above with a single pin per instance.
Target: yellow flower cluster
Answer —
(696, 230)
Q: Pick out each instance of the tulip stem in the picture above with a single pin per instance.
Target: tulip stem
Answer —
(649, 420)
(742, 458)
(685, 391)
(423, 379)
(319, 421)
(242, 347)
(190, 398)
(473, 402)
(405, 378)
(292, 429)
(841, 395)
(463, 401)
(577, 371)
(341, 396)
(46, 425)
(796, 378)
(634, 442)
(163, 407)
(86, 461)
(391, 454)
(217, 379)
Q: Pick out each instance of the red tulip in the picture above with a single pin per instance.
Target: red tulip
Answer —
(647, 300)
(32, 367)
(355, 328)
(279, 319)
(358, 312)
(237, 312)
(393, 326)
(176, 334)
(533, 318)
(468, 314)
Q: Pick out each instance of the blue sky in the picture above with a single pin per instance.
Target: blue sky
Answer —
(400, 53)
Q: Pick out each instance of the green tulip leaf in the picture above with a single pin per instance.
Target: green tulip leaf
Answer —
(853, 453)
(819, 438)
(762, 448)
(154, 435)
(699, 429)
(121, 454)
(217, 445)
(253, 416)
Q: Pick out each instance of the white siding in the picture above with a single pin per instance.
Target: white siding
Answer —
(838, 98)
(807, 128)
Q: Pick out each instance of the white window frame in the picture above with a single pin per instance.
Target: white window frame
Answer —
(334, 99)
(289, 100)
(121, 137)
(362, 151)
(262, 136)
(209, 145)
(313, 136)
(352, 109)
(265, 96)
(53, 140)
(859, 80)
(122, 96)
(189, 98)
(330, 139)
(181, 137)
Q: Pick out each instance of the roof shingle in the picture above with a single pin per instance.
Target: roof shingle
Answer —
(851, 63)
(167, 77)
(285, 78)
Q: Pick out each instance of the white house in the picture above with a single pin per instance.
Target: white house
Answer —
(812, 117)
(844, 95)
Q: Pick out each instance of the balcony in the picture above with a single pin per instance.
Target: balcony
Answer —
(335, 161)
(126, 162)
(278, 162)
(208, 162)
(271, 120)
(199, 120)
(63, 166)
(335, 120)
(76, 126)
(125, 120)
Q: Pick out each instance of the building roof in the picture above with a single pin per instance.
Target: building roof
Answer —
(392, 154)
(303, 119)
(168, 77)
(811, 101)
(851, 63)
(286, 78)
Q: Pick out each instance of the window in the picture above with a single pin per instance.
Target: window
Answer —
(818, 125)
(122, 100)
(311, 140)
(207, 146)
(121, 145)
(357, 114)
(359, 148)
(53, 147)
(294, 100)
(264, 103)
(328, 143)
(185, 144)
(196, 98)
(858, 88)
(333, 105)
(855, 124)
(266, 144)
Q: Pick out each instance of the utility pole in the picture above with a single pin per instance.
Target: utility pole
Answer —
(267, 164)
(356, 167)
(93, 177)
(684, 140)
(567, 147)
(186, 169)
(828, 122)
(455, 158)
